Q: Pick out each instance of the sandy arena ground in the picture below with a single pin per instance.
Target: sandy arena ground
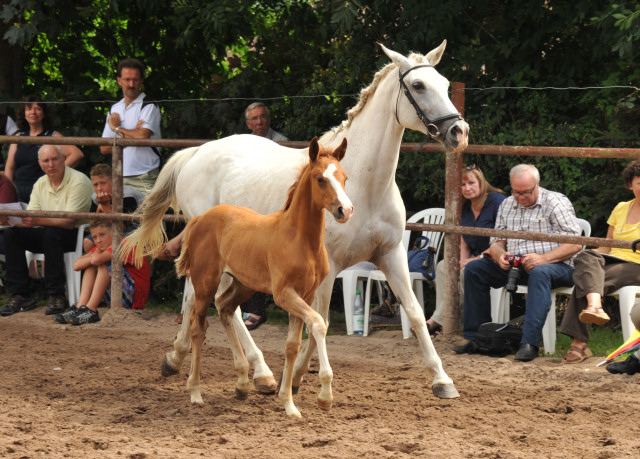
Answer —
(96, 391)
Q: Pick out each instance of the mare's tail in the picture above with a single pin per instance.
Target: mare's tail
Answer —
(149, 237)
(183, 263)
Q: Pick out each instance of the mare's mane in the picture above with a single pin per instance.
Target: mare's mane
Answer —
(367, 92)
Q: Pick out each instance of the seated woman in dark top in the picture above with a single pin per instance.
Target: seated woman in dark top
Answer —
(34, 118)
(480, 207)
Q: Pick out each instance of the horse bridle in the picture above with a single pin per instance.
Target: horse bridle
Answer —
(435, 128)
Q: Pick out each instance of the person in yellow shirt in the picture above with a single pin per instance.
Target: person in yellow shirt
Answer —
(603, 270)
(60, 189)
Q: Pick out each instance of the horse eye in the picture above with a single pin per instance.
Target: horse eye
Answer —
(320, 180)
(418, 85)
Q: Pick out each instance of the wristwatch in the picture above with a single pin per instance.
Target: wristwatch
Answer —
(117, 130)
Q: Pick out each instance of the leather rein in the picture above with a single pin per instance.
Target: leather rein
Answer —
(434, 127)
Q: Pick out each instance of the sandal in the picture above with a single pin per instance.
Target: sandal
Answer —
(593, 315)
(577, 354)
(253, 321)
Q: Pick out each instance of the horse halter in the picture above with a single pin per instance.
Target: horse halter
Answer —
(435, 128)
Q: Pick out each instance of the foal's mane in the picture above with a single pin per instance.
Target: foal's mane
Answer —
(367, 92)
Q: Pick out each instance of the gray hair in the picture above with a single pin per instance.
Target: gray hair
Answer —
(521, 169)
(57, 147)
(254, 106)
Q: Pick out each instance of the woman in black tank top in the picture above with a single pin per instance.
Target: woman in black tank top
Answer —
(34, 118)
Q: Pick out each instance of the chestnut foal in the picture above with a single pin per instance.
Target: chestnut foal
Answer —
(282, 254)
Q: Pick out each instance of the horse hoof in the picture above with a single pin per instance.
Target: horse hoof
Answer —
(168, 370)
(324, 404)
(265, 385)
(445, 391)
(241, 395)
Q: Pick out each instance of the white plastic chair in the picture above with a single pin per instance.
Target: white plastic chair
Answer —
(434, 215)
(626, 297)
(73, 277)
(352, 280)
(501, 300)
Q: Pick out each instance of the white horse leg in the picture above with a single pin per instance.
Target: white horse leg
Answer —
(198, 333)
(292, 347)
(263, 379)
(321, 306)
(395, 267)
(173, 360)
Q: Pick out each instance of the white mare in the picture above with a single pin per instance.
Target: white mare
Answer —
(248, 170)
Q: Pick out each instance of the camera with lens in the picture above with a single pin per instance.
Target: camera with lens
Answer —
(514, 273)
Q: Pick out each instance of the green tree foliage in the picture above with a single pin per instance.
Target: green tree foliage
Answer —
(309, 59)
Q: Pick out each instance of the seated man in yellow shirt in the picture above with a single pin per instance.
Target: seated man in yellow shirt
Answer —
(60, 189)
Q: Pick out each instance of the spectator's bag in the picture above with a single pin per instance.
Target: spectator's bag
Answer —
(422, 258)
(498, 340)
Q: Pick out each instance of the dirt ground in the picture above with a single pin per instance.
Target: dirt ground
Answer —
(96, 391)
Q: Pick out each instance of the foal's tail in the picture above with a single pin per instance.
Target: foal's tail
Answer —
(149, 237)
(183, 263)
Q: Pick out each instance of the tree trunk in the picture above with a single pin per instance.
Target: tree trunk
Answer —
(10, 69)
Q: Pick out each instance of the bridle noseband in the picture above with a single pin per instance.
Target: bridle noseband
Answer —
(435, 128)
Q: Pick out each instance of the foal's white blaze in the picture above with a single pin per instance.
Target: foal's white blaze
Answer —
(345, 202)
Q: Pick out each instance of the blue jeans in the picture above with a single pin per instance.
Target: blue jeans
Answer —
(482, 274)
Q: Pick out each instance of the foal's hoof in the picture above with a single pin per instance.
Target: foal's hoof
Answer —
(168, 370)
(241, 395)
(324, 404)
(445, 391)
(265, 385)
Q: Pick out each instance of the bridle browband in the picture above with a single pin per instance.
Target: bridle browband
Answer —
(434, 127)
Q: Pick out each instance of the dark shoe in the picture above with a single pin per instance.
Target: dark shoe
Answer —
(631, 366)
(469, 348)
(254, 321)
(84, 315)
(527, 352)
(18, 303)
(57, 305)
(67, 316)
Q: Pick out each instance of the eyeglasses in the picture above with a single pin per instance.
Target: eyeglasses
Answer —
(471, 167)
(524, 194)
(259, 117)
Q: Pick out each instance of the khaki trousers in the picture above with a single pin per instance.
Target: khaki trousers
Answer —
(143, 182)
(597, 274)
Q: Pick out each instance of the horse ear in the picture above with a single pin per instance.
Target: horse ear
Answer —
(314, 148)
(435, 55)
(397, 58)
(339, 152)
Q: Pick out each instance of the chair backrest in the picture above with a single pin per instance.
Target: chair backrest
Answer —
(585, 226)
(434, 215)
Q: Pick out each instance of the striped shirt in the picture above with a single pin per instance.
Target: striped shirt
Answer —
(551, 214)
